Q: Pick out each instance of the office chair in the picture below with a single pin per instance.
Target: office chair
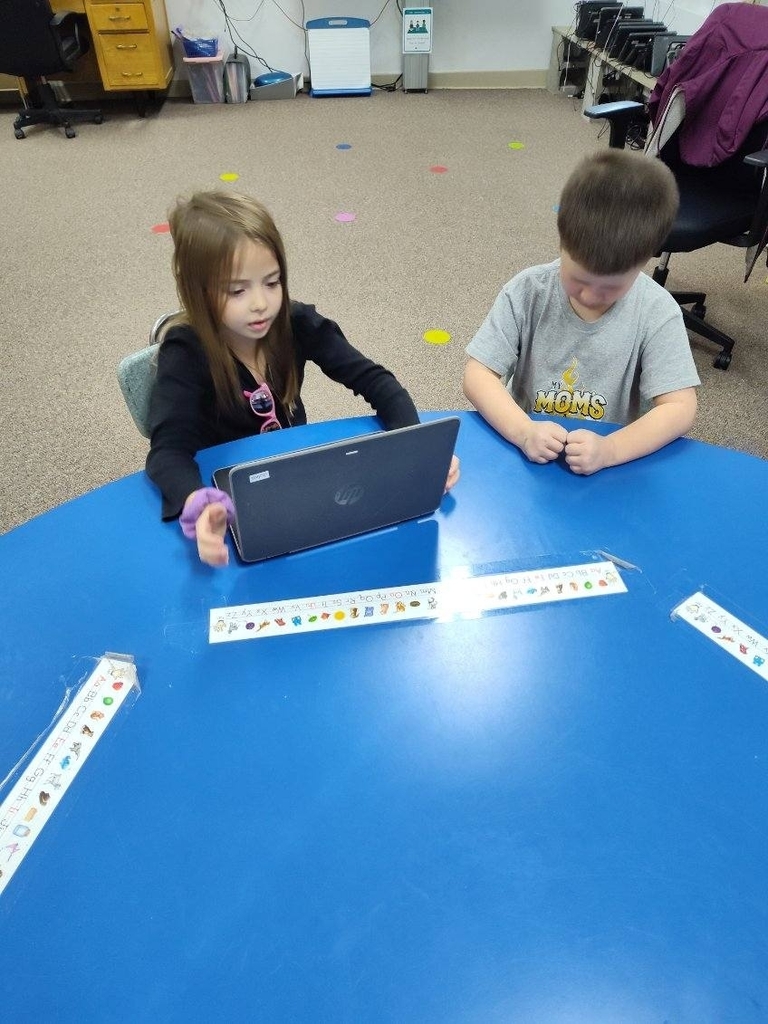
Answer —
(723, 179)
(136, 375)
(34, 43)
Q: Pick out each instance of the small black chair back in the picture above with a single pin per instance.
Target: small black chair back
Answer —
(29, 46)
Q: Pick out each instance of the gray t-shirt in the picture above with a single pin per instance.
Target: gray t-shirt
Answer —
(552, 361)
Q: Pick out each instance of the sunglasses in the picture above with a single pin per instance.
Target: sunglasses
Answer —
(263, 405)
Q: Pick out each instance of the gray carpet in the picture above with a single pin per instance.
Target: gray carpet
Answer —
(85, 276)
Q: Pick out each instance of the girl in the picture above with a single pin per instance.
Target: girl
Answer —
(233, 362)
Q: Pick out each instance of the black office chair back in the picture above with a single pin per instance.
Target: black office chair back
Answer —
(29, 46)
(717, 203)
(733, 172)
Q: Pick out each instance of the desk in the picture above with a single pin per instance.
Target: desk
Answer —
(564, 39)
(131, 43)
(559, 813)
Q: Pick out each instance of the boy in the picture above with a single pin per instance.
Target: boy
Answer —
(590, 336)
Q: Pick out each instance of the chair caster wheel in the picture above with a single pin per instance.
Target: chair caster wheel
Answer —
(99, 119)
(19, 133)
(723, 361)
(70, 133)
(699, 310)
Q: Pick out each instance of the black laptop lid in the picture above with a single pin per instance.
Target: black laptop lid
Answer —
(302, 499)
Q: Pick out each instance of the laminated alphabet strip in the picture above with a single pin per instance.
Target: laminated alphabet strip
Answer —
(75, 733)
(734, 636)
(459, 598)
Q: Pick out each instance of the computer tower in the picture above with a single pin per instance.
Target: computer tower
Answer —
(609, 16)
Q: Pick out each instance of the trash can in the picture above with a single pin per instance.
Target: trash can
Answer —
(206, 78)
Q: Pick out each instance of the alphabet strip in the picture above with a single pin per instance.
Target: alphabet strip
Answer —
(734, 636)
(37, 794)
(467, 597)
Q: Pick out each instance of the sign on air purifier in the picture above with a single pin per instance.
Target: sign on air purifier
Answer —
(417, 30)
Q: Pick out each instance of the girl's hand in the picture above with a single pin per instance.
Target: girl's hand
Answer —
(453, 474)
(210, 528)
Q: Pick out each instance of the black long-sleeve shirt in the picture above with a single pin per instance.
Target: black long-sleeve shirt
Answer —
(185, 417)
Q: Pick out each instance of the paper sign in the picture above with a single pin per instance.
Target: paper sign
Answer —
(461, 598)
(734, 636)
(417, 30)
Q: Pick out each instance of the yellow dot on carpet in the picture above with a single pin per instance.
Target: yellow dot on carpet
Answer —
(229, 176)
(436, 337)
(516, 145)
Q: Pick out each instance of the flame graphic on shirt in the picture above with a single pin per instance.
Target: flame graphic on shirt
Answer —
(570, 376)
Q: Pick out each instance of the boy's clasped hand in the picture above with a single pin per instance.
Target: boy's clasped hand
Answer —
(584, 449)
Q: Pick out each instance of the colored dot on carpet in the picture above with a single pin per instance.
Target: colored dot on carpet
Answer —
(343, 145)
(556, 208)
(438, 169)
(516, 145)
(436, 337)
(161, 229)
(229, 176)
(345, 218)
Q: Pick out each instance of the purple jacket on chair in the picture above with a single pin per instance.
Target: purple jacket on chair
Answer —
(723, 72)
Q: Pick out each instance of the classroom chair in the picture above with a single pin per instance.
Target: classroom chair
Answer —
(136, 375)
(34, 43)
(712, 131)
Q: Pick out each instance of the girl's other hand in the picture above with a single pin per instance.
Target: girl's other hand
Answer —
(453, 474)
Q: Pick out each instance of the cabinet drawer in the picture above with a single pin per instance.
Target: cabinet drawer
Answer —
(117, 17)
(129, 60)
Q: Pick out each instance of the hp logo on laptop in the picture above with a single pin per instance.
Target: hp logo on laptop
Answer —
(348, 495)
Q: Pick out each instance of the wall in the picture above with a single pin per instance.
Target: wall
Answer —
(495, 36)
(472, 42)
(496, 42)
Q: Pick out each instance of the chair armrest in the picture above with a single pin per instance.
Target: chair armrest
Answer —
(757, 159)
(66, 26)
(758, 232)
(618, 115)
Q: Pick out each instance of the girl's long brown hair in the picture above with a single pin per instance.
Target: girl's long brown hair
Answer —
(207, 230)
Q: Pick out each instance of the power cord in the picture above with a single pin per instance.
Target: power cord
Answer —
(232, 32)
(245, 47)
(389, 86)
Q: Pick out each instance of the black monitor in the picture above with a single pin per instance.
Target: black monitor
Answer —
(636, 40)
(660, 48)
(584, 12)
(593, 18)
(619, 35)
(609, 16)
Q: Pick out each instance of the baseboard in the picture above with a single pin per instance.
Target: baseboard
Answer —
(179, 88)
(535, 79)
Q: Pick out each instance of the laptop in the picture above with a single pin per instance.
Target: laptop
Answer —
(299, 500)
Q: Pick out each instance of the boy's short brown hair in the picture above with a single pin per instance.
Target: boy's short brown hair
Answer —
(615, 211)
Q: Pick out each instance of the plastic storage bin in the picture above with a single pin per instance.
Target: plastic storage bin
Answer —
(206, 78)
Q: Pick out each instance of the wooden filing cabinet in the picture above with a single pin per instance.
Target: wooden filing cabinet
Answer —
(132, 43)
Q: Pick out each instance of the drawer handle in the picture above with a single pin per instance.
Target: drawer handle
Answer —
(119, 17)
(127, 46)
(132, 74)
